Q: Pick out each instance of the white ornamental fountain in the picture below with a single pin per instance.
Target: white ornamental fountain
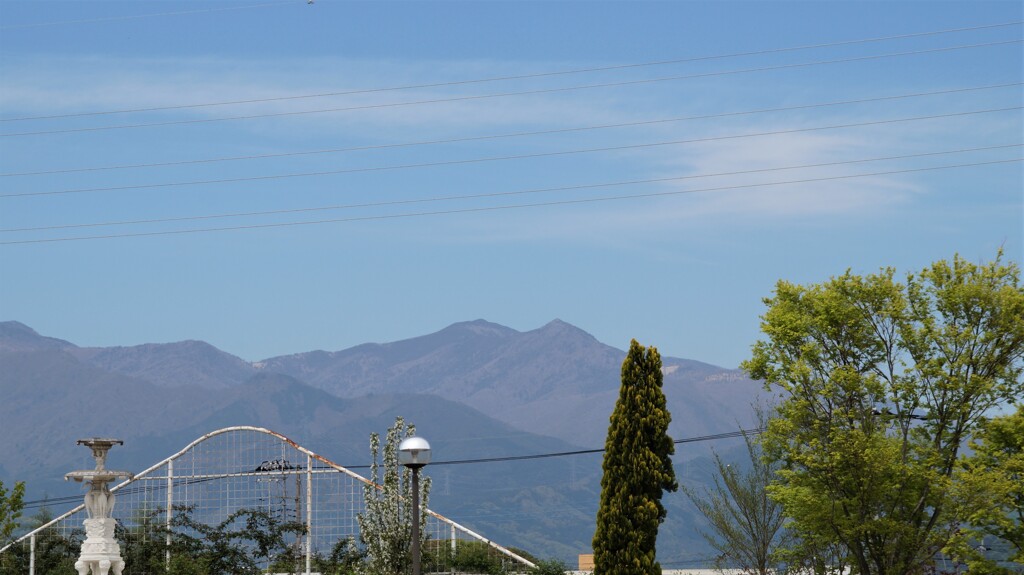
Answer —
(100, 551)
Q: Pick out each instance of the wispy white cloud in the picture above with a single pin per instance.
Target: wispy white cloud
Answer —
(69, 85)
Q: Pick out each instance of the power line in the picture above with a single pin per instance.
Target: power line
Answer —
(496, 194)
(513, 134)
(509, 94)
(523, 76)
(505, 207)
(498, 158)
(52, 501)
(727, 435)
(151, 15)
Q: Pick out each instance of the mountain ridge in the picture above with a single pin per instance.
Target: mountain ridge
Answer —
(555, 380)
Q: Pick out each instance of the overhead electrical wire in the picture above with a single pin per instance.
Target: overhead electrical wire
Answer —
(52, 501)
(512, 134)
(726, 435)
(509, 94)
(525, 76)
(498, 158)
(504, 207)
(496, 194)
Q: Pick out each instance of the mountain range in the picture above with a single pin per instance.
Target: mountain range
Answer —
(475, 389)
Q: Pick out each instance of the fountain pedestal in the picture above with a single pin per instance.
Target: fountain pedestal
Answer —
(100, 551)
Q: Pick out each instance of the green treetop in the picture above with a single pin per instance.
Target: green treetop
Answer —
(883, 383)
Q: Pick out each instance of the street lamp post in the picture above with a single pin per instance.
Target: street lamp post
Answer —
(414, 453)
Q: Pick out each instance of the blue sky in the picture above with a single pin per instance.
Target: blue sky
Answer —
(429, 179)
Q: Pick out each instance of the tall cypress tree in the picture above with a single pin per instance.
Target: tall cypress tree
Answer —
(637, 470)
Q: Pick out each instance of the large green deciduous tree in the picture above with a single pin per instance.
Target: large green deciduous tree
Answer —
(883, 384)
(385, 528)
(637, 469)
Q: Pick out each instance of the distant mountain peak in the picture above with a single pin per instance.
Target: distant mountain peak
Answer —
(13, 327)
(557, 327)
(481, 327)
(16, 336)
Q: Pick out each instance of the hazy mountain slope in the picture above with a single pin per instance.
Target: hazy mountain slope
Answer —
(183, 363)
(51, 399)
(556, 380)
(419, 365)
(172, 364)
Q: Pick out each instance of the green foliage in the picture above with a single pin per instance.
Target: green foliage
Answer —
(11, 503)
(291, 560)
(186, 565)
(746, 524)
(478, 557)
(882, 384)
(549, 567)
(55, 555)
(239, 544)
(385, 528)
(143, 541)
(471, 557)
(523, 553)
(345, 558)
(637, 469)
(994, 475)
(475, 557)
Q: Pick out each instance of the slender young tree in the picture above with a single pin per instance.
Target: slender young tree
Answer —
(386, 527)
(637, 470)
(744, 524)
